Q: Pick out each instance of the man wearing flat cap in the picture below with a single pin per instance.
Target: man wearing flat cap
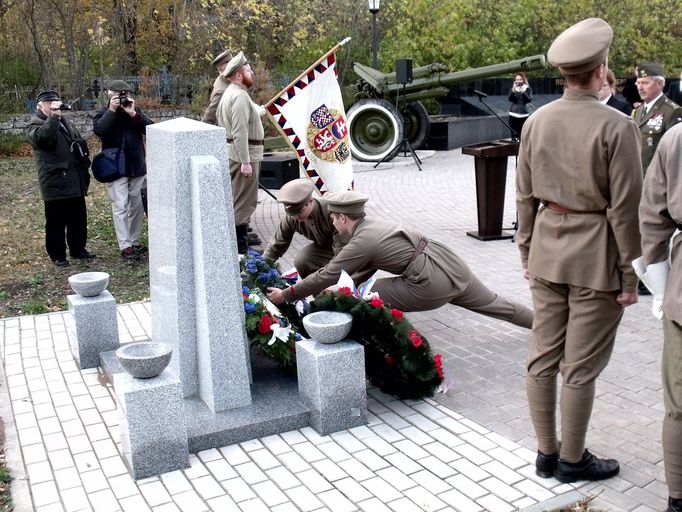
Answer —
(219, 86)
(656, 114)
(579, 181)
(123, 125)
(61, 156)
(428, 275)
(660, 219)
(240, 117)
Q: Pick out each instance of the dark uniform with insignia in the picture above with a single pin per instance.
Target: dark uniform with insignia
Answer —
(657, 119)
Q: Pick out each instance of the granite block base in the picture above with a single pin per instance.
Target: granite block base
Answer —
(153, 434)
(95, 328)
(331, 382)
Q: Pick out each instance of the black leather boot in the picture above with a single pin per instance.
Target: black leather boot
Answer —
(674, 505)
(545, 465)
(242, 239)
(589, 468)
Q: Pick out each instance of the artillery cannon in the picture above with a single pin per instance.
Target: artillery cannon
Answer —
(377, 123)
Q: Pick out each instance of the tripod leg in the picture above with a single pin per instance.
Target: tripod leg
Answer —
(414, 155)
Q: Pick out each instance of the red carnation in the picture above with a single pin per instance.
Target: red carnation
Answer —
(389, 360)
(438, 363)
(397, 314)
(345, 291)
(415, 338)
(376, 302)
(264, 324)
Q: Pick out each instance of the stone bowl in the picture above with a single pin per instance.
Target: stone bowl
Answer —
(89, 284)
(144, 359)
(328, 326)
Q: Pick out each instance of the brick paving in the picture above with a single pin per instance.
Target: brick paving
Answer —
(471, 449)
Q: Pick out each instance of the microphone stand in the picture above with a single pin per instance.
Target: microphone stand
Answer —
(480, 98)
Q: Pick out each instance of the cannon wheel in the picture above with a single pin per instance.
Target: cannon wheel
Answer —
(416, 123)
(376, 128)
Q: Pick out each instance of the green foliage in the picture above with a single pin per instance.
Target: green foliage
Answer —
(33, 307)
(10, 143)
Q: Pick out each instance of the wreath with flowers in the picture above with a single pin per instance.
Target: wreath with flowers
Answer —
(398, 359)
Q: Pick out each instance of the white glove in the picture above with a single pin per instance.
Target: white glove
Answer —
(655, 278)
(261, 110)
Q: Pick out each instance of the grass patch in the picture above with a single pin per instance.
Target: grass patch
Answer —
(29, 282)
(12, 143)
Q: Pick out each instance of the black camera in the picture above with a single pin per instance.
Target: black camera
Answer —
(123, 100)
(65, 106)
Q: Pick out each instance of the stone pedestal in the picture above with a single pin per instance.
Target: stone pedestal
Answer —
(152, 423)
(331, 382)
(95, 327)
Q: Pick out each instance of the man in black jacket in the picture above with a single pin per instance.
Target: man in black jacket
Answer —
(121, 125)
(62, 159)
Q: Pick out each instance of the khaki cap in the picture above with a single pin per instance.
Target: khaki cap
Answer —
(119, 86)
(349, 202)
(295, 194)
(225, 56)
(581, 47)
(235, 63)
(650, 69)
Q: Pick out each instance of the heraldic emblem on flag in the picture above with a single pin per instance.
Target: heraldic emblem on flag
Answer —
(310, 114)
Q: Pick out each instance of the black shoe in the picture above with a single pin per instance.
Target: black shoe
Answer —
(253, 239)
(545, 465)
(589, 468)
(61, 263)
(642, 289)
(674, 505)
(139, 248)
(84, 255)
(129, 254)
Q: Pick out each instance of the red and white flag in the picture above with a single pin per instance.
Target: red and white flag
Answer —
(310, 115)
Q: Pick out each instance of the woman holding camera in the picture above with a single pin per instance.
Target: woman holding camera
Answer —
(519, 96)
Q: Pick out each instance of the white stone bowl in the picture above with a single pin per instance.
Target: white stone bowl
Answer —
(328, 326)
(89, 284)
(144, 359)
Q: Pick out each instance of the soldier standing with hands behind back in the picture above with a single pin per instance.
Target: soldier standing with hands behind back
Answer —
(62, 159)
(578, 234)
(240, 117)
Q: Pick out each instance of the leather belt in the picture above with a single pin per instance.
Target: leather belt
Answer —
(418, 250)
(252, 142)
(556, 207)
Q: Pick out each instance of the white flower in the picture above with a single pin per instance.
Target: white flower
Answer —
(279, 332)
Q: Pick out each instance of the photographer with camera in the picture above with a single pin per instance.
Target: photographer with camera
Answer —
(63, 161)
(123, 125)
(520, 95)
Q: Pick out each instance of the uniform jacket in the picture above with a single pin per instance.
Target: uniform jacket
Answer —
(112, 127)
(623, 106)
(519, 100)
(661, 214)
(675, 92)
(241, 120)
(584, 156)
(318, 228)
(661, 117)
(382, 245)
(62, 174)
(217, 91)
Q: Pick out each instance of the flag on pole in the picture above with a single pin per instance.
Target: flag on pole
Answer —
(310, 114)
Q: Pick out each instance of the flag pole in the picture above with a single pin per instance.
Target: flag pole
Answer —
(336, 46)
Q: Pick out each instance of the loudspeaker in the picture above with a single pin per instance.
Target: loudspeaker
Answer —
(403, 71)
(276, 169)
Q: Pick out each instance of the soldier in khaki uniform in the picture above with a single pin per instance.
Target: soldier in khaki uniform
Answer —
(660, 216)
(241, 119)
(219, 86)
(428, 274)
(308, 216)
(579, 181)
(656, 114)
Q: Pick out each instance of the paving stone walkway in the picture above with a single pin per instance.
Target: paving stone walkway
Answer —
(471, 449)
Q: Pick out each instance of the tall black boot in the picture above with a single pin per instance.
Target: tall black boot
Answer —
(242, 239)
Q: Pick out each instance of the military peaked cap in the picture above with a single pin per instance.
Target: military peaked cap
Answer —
(581, 47)
(349, 202)
(650, 69)
(225, 56)
(295, 194)
(235, 63)
(48, 96)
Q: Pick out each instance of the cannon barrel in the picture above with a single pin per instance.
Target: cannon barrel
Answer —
(436, 75)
